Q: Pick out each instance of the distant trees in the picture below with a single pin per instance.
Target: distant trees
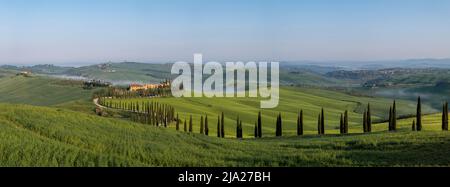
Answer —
(445, 116)
(419, 115)
(279, 129)
(300, 123)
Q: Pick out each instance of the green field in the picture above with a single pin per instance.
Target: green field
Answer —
(39, 90)
(42, 136)
(63, 131)
(291, 101)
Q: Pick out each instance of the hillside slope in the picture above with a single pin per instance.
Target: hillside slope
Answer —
(39, 90)
(291, 101)
(41, 136)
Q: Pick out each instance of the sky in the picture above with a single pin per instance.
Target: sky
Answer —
(93, 31)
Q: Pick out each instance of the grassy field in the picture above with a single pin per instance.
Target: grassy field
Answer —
(42, 136)
(291, 101)
(65, 132)
(39, 90)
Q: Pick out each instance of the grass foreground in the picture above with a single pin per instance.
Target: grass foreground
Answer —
(44, 136)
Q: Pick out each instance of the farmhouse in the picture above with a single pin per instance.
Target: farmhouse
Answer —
(136, 87)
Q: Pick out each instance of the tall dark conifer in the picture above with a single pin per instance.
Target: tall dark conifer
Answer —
(190, 123)
(201, 125)
(365, 121)
(445, 116)
(369, 119)
(394, 117)
(278, 130)
(222, 126)
(419, 115)
(413, 126)
(237, 127)
(346, 122)
(206, 126)
(185, 126)
(318, 125)
(390, 118)
(300, 123)
(259, 125)
(322, 122)
(341, 124)
(218, 127)
(177, 123)
(256, 130)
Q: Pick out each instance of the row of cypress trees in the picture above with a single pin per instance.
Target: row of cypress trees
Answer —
(162, 114)
(149, 112)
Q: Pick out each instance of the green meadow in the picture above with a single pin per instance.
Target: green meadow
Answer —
(61, 129)
(291, 101)
(43, 136)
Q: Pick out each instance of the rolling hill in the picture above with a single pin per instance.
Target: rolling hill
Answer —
(292, 99)
(42, 136)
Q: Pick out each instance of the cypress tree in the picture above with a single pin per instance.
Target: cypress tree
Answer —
(413, 127)
(394, 117)
(346, 122)
(222, 127)
(300, 123)
(240, 130)
(445, 116)
(318, 125)
(206, 126)
(218, 127)
(237, 127)
(365, 121)
(341, 124)
(419, 115)
(278, 129)
(322, 122)
(281, 125)
(259, 125)
(190, 123)
(256, 130)
(201, 125)
(177, 123)
(369, 119)
(390, 118)
(185, 126)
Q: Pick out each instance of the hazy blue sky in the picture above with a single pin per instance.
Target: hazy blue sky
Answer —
(50, 31)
